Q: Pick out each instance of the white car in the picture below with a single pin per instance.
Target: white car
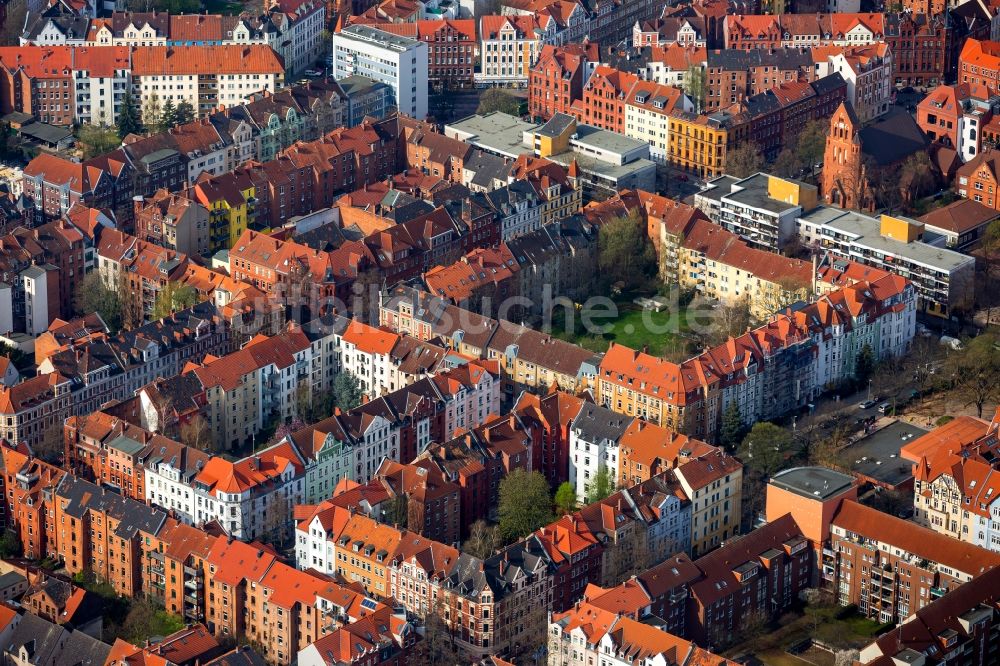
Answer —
(313, 73)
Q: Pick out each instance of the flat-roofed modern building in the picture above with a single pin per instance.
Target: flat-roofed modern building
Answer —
(397, 61)
(943, 278)
(605, 162)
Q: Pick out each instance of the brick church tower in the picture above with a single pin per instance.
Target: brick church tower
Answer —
(843, 178)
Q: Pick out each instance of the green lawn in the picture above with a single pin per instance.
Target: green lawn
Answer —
(222, 7)
(662, 332)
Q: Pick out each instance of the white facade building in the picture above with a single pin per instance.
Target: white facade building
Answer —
(593, 443)
(397, 61)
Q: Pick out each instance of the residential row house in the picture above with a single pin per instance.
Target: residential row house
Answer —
(768, 371)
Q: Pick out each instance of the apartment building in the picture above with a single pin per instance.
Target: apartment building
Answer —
(115, 368)
(961, 625)
(958, 116)
(28, 510)
(451, 48)
(558, 77)
(941, 277)
(698, 143)
(206, 77)
(173, 221)
(979, 64)
(33, 410)
(868, 71)
(593, 447)
(713, 483)
(761, 209)
(765, 31)
(98, 530)
(54, 185)
(648, 106)
(735, 74)
(589, 634)
(891, 568)
(509, 46)
(762, 376)
(267, 380)
(757, 575)
(397, 61)
(955, 488)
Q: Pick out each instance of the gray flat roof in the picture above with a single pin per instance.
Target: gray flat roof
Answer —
(604, 140)
(380, 37)
(868, 233)
(718, 187)
(502, 133)
(877, 455)
(753, 193)
(813, 482)
(497, 132)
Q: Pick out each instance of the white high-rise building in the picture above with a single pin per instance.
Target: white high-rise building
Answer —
(397, 61)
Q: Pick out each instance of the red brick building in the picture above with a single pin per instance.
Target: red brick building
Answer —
(549, 417)
(29, 485)
(758, 575)
(432, 501)
(979, 179)
(603, 100)
(979, 64)
(921, 48)
(891, 568)
(556, 80)
(451, 48)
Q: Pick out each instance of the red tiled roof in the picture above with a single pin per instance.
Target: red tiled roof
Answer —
(219, 60)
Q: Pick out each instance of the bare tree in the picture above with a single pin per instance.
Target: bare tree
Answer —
(278, 518)
(483, 540)
(51, 445)
(197, 434)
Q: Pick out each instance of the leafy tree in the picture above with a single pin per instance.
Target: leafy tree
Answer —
(601, 486)
(744, 160)
(129, 121)
(168, 115)
(173, 298)
(524, 504)
(624, 253)
(765, 447)
(864, 366)
(97, 140)
(346, 391)
(185, 113)
(10, 544)
(498, 99)
(976, 371)
(732, 429)
(483, 540)
(565, 498)
(695, 86)
(989, 250)
(810, 146)
(93, 295)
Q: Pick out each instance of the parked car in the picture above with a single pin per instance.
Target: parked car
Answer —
(313, 73)
(868, 404)
(884, 408)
